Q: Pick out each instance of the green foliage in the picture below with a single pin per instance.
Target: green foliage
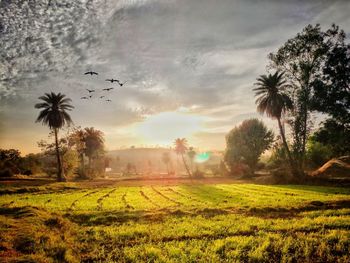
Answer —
(32, 164)
(70, 162)
(94, 150)
(245, 144)
(331, 88)
(316, 63)
(335, 136)
(317, 153)
(9, 162)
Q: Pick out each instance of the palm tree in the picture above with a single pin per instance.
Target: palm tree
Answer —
(54, 115)
(191, 154)
(272, 100)
(180, 149)
(94, 143)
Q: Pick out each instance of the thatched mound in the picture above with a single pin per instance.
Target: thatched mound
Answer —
(337, 167)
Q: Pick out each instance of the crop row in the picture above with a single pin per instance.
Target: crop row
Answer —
(186, 197)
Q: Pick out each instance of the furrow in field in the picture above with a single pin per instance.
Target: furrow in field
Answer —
(126, 204)
(148, 199)
(100, 200)
(166, 197)
(211, 195)
(74, 203)
(254, 232)
(186, 197)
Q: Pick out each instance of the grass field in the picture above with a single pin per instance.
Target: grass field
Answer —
(175, 223)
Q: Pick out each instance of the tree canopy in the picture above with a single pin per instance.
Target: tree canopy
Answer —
(246, 142)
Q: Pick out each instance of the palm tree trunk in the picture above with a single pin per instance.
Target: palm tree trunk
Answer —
(60, 175)
(289, 155)
(186, 167)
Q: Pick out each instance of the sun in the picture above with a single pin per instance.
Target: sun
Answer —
(163, 128)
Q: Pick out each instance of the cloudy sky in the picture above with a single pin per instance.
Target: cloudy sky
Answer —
(189, 65)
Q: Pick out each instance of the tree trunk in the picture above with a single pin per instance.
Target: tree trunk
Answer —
(186, 167)
(167, 168)
(60, 174)
(289, 155)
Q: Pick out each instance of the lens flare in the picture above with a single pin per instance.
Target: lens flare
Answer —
(202, 157)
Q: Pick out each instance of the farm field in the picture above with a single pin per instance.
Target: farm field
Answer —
(221, 222)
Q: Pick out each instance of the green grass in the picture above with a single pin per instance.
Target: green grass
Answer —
(183, 223)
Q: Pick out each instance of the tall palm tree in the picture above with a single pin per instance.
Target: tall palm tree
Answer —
(180, 149)
(94, 143)
(273, 101)
(191, 154)
(54, 114)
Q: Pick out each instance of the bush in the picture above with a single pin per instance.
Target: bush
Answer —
(6, 173)
(27, 172)
(317, 153)
(198, 174)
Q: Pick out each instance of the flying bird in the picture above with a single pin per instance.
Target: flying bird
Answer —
(108, 100)
(108, 89)
(112, 80)
(84, 98)
(121, 84)
(90, 90)
(91, 73)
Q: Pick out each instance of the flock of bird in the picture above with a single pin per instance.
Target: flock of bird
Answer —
(91, 91)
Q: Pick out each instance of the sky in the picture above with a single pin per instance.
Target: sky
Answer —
(189, 65)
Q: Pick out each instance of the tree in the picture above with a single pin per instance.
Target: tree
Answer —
(302, 58)
(54, 115)
(332, 87)
(334, 135)
(191, 154)
(246, 142)
(274, 102)
(9, 162)
(77, 139)
(180, 149)
(94, 144)
(68, 154)
(166, 160)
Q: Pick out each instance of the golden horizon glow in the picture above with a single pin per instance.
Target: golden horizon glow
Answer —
(163, 128)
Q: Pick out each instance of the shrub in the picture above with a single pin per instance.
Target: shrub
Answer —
(198, 174)
(6, 173)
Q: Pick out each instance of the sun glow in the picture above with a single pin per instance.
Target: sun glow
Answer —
(165, 127)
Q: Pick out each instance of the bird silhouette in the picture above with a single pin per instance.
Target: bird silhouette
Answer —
(107, 89)
(90, 90)
(84, 98)
(112, 80)
(120, 83)
(91, 73)
(101, 97)
(108, 100)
